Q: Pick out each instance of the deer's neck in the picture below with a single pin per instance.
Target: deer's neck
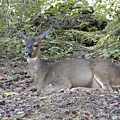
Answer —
(37, 69)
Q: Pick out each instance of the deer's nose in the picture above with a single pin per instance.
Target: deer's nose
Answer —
(27, 54)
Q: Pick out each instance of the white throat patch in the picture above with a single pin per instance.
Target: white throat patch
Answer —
(31, 59)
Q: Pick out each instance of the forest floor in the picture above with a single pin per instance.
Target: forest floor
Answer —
(17, 103)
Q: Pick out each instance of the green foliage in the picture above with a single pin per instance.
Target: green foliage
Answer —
(11, 49)
(28, 15)
(56, 49)
(109, 44)
(34, 15)
(107, 9)
(110, 47)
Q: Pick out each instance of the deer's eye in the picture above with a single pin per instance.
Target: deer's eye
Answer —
(23, 45)
(36, 45)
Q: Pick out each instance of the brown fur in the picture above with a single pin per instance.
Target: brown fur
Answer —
(50, 77)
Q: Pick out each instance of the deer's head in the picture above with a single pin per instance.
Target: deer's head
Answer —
(32, 44)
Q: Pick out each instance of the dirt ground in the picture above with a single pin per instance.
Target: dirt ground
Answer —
(18, 103)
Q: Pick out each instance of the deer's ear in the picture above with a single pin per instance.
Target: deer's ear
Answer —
(23, 36)
(42, 36)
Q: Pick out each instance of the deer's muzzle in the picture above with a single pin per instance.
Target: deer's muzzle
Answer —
(27, 54)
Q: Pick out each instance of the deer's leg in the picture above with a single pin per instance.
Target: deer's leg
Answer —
(35, 86)
(103, 81)
(57, 85)
(31, 87)
(95, 84)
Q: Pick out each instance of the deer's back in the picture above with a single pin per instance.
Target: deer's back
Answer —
(77, 70)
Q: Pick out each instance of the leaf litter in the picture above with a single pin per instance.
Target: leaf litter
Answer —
(17, 103)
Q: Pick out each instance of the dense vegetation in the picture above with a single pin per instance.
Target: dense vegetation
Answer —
(80, 28)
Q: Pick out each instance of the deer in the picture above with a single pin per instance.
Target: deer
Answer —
(67, 74)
